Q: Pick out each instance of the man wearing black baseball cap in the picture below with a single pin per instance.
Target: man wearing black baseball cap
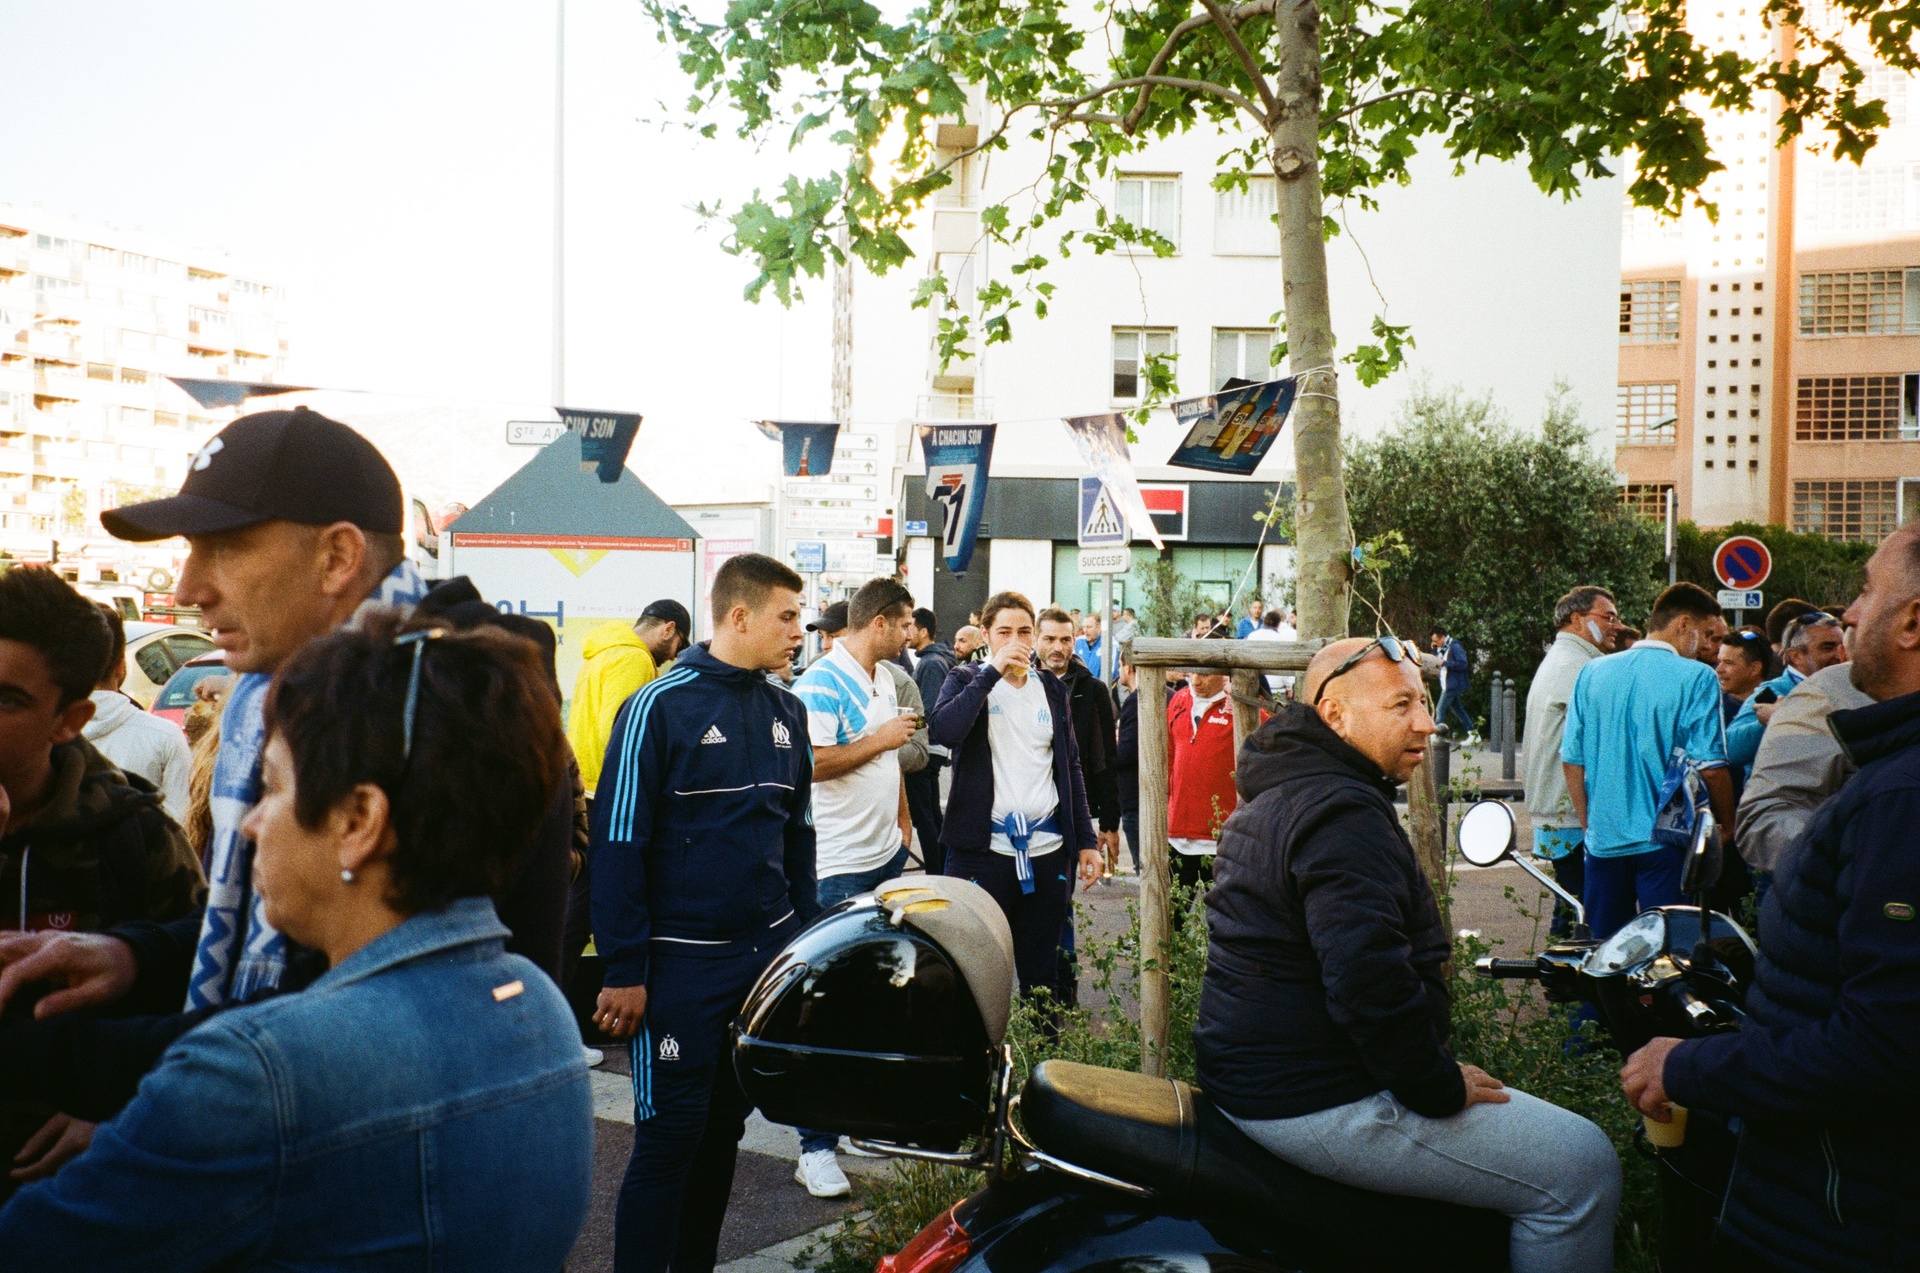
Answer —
(292, 521)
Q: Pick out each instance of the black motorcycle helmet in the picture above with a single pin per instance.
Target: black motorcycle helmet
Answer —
(884, 1017)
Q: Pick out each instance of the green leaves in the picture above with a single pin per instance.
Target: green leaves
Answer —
(1570, 88)
(1498, 523)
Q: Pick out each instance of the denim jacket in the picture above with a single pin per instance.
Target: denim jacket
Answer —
(422, 1105)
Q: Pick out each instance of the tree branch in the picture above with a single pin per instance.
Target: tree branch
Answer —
(1385, 97)
(1006, 122)
(1247, 64)
(1146, 84)
(1238, 13)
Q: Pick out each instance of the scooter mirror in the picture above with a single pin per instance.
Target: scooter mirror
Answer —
(1486, 833)
(1705, 857)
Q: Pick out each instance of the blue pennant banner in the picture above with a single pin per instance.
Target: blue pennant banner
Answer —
(605, 439)
(806, 450)
(1232, 431)
(957, 456)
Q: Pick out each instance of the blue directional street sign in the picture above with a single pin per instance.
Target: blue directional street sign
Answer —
(1101, 525)
(810, 556)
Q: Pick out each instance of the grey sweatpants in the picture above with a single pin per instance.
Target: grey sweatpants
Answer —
(1552, 1171)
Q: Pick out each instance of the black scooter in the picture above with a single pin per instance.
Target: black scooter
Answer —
(1090, 1168)
(1674, 971)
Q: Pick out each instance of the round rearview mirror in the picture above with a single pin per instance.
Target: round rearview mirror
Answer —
(1486, 833)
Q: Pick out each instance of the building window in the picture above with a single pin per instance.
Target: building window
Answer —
(1242, 354)
(1856, 409)
(1649, 311)
(1849, 510)
(1860, 303)
(1646, 413)
(99, 371)
(210, 317)
(1243, 223)
(1647, 225)
(1132, 346)
(1886, 84)
(1646, 499)
(1151, 203)
(132, 376)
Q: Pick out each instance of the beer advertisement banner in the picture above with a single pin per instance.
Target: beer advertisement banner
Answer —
(1102, 440)
(957, 456)
(605, 439)
(806, 448)
(1232, 431)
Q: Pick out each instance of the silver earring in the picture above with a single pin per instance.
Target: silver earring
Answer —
(346, 875)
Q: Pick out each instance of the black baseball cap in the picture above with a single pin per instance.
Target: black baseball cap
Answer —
(832, 619)
(667, 610)
(273, 466)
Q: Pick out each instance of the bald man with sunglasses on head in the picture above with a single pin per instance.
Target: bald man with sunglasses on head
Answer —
(1324, 1013)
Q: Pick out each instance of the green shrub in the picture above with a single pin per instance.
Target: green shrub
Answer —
(897, 1206)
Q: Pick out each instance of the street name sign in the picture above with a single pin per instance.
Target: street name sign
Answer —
(1106, 561)
(534, 432)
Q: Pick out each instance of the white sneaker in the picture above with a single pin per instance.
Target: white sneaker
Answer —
(593, 1055)
(820, 1172)
(848, 1147)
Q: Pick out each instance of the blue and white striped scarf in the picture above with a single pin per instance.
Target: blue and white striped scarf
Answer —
(239, 954)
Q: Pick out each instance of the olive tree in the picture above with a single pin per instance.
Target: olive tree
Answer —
(1332, 97)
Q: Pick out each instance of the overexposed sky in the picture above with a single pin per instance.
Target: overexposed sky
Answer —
(391, 163)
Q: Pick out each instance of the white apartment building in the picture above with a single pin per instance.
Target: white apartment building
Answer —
(1507, 292)
(92, 321)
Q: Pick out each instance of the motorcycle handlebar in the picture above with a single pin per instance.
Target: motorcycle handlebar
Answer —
(1487, 966)
(1698, 1010)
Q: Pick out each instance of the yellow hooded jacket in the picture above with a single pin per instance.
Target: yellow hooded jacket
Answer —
(617, 663)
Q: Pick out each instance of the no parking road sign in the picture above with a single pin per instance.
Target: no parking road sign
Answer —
(1742, 562)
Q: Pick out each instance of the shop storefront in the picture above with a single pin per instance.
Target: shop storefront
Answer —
(1028, 542)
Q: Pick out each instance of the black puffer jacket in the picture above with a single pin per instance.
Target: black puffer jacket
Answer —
(1824, 1075)
(1093, 729)
(1323, 981)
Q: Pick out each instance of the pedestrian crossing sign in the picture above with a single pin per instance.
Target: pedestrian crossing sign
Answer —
(1101, 525)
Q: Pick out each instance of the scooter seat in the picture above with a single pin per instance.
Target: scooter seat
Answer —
(1167, 1136)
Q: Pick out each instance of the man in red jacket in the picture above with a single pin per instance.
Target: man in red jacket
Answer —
(1200, 774)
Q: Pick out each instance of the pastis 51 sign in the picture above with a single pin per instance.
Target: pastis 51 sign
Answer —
(957, 456)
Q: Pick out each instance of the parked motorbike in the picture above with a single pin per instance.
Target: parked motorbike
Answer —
(1673, 971)
(886, 1020)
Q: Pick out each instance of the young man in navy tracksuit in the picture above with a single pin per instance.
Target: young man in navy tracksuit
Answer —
(1017, 822)
(702, 859)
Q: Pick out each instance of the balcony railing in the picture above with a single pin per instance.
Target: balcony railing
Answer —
(934, 408)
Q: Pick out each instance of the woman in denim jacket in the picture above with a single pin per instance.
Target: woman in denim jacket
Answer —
(424, 1103)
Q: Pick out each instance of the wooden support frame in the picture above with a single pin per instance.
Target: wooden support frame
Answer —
(1154, 658)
